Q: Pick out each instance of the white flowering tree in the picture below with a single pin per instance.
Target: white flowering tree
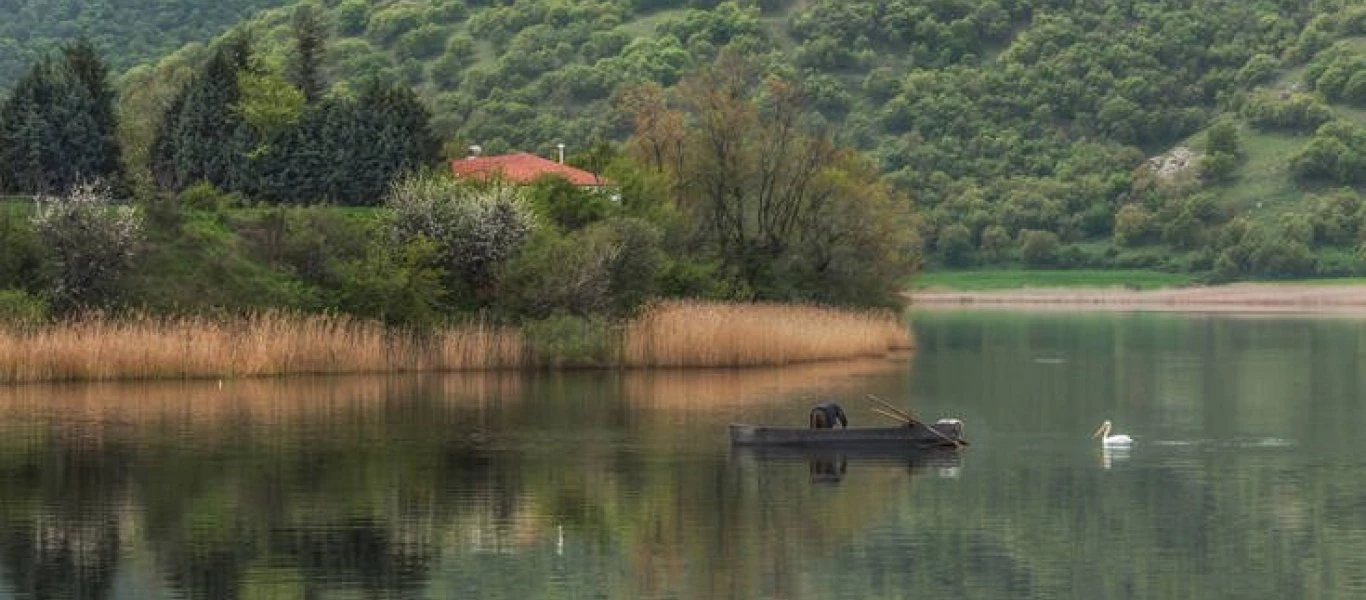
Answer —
(474, 228)
(90, 244)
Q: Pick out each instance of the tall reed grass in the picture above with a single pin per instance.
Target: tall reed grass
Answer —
(98, 348)
(712, 334)
(674, 334)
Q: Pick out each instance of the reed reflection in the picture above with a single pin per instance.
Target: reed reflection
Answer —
(394, 486)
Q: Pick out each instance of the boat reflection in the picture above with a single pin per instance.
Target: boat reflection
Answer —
(831, 465)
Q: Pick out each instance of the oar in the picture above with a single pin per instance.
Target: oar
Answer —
(892, 407)
(894, 417)
(909, 420)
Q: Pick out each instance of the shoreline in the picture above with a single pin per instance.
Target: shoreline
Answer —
(1232, 298)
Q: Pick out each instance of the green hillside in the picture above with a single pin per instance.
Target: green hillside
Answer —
(1020, 127)
(1025, 132)
(128, 31)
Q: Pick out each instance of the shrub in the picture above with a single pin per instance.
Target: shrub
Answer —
(396, 285)
(611, 266)
(1286, 111)
(90, 246)
(1218, 166)
(1071, 257)
(685, 278)
(572, 341)
(205, 196)
(635, 273)
(1133, 225)
(21, 309)
(306, 240)
(1336, 218)
(1338, 263)
(21, 255)
(1222, 138)
(1201, 260)
(1184, 231)
(995, 244)
(1283, 257)
(475, 228)
(1260, 68)
(1337, 153)
(1039, 248)
(1146, 258)
(1260, 253)
(955, 245)
(567, 205)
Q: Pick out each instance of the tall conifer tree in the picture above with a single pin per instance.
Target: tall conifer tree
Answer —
(58, 128)
(384, 132)
(90, 71)
(310, 47)
(202, 137)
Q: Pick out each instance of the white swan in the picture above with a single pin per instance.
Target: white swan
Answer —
(1103, 432)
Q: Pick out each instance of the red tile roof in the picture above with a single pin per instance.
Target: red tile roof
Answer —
(521, 168)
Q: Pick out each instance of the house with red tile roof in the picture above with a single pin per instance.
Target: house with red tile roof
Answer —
(522, 168)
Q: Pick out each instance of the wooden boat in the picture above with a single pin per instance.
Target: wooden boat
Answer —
(946, 432)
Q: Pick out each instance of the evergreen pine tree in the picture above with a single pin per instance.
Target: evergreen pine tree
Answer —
(383, 133)
(25, 134)
(57, 128)
(310, 47)
(295, 166)
(81, 151)
(162, 155)
(90, 71)
(202, 137)
(48, 132)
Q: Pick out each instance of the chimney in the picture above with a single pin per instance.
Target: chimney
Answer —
(561, 147)
(475, 150)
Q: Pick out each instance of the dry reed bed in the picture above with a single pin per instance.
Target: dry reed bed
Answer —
(259, 345)
(698, 334)
(675, 334)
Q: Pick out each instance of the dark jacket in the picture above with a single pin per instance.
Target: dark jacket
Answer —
(825, 414)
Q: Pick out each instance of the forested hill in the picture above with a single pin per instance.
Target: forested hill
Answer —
(127, 31)
(1020, 127)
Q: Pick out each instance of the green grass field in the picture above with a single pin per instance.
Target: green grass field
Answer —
(1263, 188)
(1004, 279)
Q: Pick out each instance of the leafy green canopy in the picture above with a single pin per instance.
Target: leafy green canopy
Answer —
(128, 31)
(1039, 109)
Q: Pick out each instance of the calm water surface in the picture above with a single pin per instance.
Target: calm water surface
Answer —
(1248, 479)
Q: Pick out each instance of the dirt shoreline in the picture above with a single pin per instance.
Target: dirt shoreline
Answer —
(1238, 297)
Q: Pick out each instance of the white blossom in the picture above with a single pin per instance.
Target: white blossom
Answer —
(90, 243)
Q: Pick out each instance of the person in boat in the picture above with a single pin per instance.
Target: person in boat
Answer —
(825, 414)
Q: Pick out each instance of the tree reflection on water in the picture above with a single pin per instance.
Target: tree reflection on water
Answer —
(623, 485)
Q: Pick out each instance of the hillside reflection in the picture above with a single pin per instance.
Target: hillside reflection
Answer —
(402, 487)
(1246, 480)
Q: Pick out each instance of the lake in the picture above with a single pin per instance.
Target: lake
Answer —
(1248, 479)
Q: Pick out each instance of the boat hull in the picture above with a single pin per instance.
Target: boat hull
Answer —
(945, 434)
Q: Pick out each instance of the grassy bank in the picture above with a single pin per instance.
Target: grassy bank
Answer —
(1005, 279)
(682, 334)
